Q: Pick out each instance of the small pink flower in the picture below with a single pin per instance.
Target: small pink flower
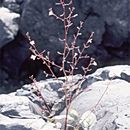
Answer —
(33, 57)
(51, 12)
(94, 63)
(32, 43)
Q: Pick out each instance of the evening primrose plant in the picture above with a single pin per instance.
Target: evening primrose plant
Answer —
(71, 56)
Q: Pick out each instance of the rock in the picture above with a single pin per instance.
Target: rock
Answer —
(112, 111)
(15, 106)
(12, 56)
(51, 90)
(24, 124)
(114, 104)
(16, 114)
(12, 5)
(15, 6)
(9, 25)
(10, 47)
(48, 90)
(24, 109)
(107, 19)
(110, 72)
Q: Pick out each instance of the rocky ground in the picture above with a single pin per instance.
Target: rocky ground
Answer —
(22, 110)
(109, 20)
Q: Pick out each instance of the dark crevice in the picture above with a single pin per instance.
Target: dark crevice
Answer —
(120, 53)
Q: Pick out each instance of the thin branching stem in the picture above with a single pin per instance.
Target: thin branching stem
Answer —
(68, 64)
(40, 95)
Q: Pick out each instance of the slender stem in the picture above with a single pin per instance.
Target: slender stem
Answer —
(104, 92)
(66, 118)
(65, 38)
(34, 81)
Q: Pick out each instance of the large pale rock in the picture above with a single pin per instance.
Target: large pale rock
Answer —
(51, 92)
(112, 111)
(15, 114)
(47, 88)
(15, 106)
(110, 72)
(8, 25)
(7, 123)
(109, 112)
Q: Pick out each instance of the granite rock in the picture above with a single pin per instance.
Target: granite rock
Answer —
(9, 25)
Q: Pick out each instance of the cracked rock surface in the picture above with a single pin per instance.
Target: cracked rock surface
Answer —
(23, 110)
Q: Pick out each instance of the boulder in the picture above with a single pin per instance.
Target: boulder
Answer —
(107, 101)
(11, 5)
(12, 56)
(7, 123)
(108, 98)
(107, 19)
(16, 114)
(112, 112)
(110, 72)
(47, 88)
(15, 106)
(50, 90)
(9, 25)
